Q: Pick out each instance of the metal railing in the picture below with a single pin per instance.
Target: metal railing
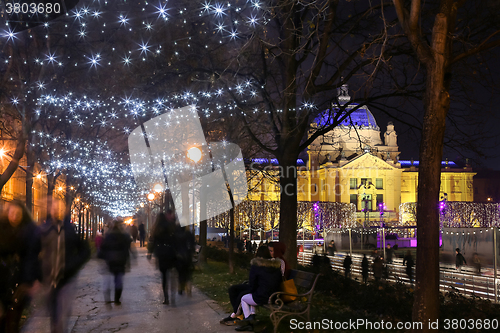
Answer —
(466, 282)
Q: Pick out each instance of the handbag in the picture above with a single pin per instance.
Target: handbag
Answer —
(288, 286)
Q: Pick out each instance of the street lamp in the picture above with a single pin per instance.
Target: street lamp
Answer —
(382, 207)
(194, 154)
(151, 197)
(159, 189)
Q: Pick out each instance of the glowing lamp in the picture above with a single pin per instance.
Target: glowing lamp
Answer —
(158, 188)
(194, 154)
(151, 196)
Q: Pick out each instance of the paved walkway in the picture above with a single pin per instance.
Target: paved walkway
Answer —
(141, 309)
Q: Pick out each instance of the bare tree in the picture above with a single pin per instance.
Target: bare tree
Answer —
(456, 35)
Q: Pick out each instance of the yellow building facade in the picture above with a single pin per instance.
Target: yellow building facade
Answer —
(355, 163)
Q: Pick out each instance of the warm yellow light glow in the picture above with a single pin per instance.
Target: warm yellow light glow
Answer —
(151, 196)
(60, 188)
(128, 221)
(2, 152)
(158, 188)
(72, 188)
(142, 204)
(39, 176)
(194, 154)
(77, 199)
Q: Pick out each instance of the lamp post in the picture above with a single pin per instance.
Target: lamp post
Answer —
(365, 200)
(151, 197)
(194, 154)
(382, 207)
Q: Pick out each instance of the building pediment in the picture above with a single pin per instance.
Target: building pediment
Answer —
(368, 160)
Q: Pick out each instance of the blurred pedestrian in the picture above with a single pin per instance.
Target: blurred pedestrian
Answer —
(477, 264)
(347, 266)
(378, 268)
(163, 247)
(408, 261)
(332, 248)
(134, 232)
(20, 268)
(115, 250)
(142, 234)
(63, 254)
(388, 254)
(459, 260)
(364, 269)
(185, 248)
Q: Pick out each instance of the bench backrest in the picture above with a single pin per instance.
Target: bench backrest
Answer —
(303, 279)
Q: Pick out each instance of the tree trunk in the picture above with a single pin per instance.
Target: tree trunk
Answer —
(30, 166)
(436, 104)
(231, 240)
(288, 209)
(14, 162)
(203, 241)
(51, 183)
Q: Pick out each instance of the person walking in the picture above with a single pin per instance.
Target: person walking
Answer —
(142, 234)
(364, 269)
(347, 266)
(185, 247)
(63, 253)
(115, 250)
(459, 260)
(378, 268)
(134, 232)
(332, 248)
(19, 249)
(477, 264)
(408, 261)
(163, 247)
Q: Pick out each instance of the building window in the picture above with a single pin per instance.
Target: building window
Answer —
(379, 184)
(354, 199)
(380, 199)
(366, 181)
(354, 183)
(366, 201)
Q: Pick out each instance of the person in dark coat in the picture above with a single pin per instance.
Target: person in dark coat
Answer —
(264, 280)
(459, 260)
(347, 266)
(20, 268)
(163, 246)
(142, 234)
(388, 254)
(185, 247)
(63, 253)
(115, 250)
(332, 248)
(408, 261)
(364, 269)
(134, 232)
(378, 268)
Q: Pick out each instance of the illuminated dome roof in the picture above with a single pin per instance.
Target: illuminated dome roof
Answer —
(361, 117)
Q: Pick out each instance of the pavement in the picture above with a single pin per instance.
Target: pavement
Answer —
(141, 310)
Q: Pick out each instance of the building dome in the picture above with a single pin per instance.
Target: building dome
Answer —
(361, 117)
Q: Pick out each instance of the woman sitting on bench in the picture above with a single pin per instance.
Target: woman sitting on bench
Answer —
(265, 279)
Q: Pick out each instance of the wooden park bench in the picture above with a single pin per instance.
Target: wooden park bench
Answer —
(301, 306)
